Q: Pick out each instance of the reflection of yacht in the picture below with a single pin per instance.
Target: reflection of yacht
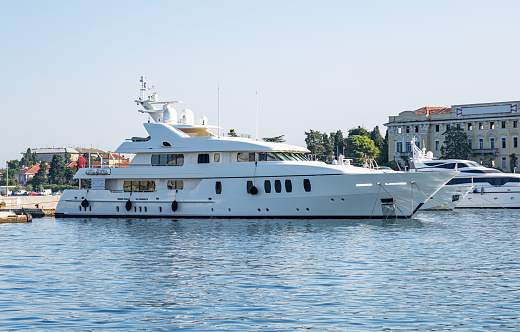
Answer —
(183, 170)
(491, 188)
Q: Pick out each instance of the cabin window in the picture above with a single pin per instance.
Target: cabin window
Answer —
(167, 159)
(145, 186)
(218, 187)
(288, 186)
(267, 186)
(278, 186)
(307, 185)
(216, 157)
(175, 184)
(249, 186)
(203, 158)
(243, 156)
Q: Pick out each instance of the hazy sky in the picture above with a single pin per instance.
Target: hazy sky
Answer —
(70, 69)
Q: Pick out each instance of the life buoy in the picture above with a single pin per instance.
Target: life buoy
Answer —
(128, 205)
(175, 206)
(253, 190)
(84, 203)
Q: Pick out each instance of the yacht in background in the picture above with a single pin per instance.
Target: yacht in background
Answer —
(489, 188)
(182, 169)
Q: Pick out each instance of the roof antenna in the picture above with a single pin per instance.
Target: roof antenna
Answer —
(257, 98)
(218, 92)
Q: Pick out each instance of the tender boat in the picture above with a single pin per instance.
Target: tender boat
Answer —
(183, 169)
(488, 187)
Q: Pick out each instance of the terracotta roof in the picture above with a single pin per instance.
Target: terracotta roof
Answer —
(32, 169)
(433, 110)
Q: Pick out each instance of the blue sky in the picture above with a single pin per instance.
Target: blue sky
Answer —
(70, 69)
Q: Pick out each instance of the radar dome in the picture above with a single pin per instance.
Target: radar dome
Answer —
(186, 117)
(169, 114)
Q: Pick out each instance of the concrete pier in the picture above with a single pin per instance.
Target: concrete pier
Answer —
(36, 206)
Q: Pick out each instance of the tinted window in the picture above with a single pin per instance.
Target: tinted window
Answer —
(167, 159)
(175, 184)
(278, 186)
(139, 186)
(288, 186)
(218, 187)
(267, 186)
(249, 186)
(203, 158)
(307, 185)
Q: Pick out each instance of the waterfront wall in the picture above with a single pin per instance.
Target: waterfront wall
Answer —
(30, 202)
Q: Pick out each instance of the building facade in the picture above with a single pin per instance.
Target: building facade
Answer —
(492, 130)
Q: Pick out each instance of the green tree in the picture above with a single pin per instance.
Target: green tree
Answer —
(358, 131)
(375, 135)
(68, 157)
(314, 141)
(338, 142)
(41, 176)
(328, 148)
(382, 158)
(455, 144)
(276, 139)
(361, 147)
(69, 174)
(57, 170)
(232, 133)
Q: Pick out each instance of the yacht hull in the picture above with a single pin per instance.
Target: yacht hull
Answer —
(504, 197)
(447, 198)
(365, 195)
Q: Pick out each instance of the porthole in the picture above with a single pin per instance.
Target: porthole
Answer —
(145, 209)
(160, 209)
(342, 199)
(140, 209)
(211, 209)
(278, 186)
(307, 185)
(80, 207)
(307, 209)
(117, 208)
(135, 209)
(332, 199)
(267, 209)
(297, 209)
(90, 208)
(229, 209)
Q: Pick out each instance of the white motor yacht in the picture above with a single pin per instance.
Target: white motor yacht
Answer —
(183, 169)
(488, 187)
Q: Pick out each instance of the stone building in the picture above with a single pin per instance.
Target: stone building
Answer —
(492, 130)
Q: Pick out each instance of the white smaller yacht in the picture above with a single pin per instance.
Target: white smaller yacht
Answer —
(488, 187)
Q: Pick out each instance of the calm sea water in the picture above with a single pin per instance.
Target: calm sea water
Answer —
(457, 271)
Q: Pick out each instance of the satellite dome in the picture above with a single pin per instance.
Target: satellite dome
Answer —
(186, 117)
(169, 114)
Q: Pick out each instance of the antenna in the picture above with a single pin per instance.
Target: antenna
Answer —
(218, 93)
(257, 99)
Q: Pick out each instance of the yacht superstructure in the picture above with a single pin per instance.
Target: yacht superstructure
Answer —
(182, 169)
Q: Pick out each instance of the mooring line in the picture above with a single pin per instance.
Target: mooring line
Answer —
(396, 201)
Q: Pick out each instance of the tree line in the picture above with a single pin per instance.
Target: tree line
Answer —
(359, 145)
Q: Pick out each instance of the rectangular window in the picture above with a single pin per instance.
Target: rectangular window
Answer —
(139, 186)
(503, 125)
(504, 162)
(267, 186)
(203, 158)
(492, 125)
(470, 126)
(167, 159)
(480, 126)
(480, 143)
(503, 142)
(492, 143)
(175, 184)
(216, 157)
(243, 157)
(288, 186)
(447, 127)
(416, 129)
(515, 124)
(458, 125)
(408, 147)
(407, 129)
(307, 185)
(470, 143)
(262, 156)
(218, 187)
(437, 128)
(437, 145)
(278, 186)
(515, 142)
(399, 147)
